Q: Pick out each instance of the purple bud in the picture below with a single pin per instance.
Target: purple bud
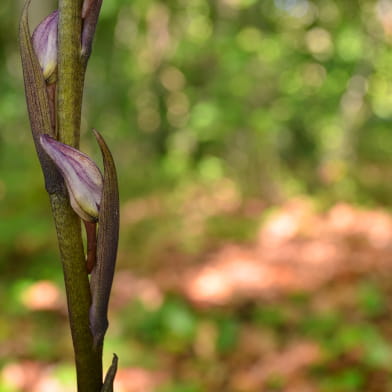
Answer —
(81, 175)
(45, 45)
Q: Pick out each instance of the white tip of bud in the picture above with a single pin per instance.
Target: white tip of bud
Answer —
(81, 175)
(45, 45)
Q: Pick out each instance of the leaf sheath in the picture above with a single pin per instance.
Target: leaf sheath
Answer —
(107, 240)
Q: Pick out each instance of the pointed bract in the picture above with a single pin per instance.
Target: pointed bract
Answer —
(37, 101)
(90, 13)
(109, 378)
(81, 175)
(107, 241)
(86, 7)
(45, 45)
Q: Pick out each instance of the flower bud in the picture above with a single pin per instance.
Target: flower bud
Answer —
(82, 177)
(45, 45)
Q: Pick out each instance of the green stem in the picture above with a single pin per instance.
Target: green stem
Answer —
(88, 361)
(69, 103)
(70, 72)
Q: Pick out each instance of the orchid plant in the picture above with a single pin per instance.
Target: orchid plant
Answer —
(54, 61)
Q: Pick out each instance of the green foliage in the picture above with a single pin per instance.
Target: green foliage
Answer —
(271, 316)
(172, 325)
(228, 330)
(321, 326)
(180, 387)
(235, 228)
(230, 84)
(371, 300)
(346, 380)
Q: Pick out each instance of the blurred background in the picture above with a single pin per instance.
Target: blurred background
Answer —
(253, 144)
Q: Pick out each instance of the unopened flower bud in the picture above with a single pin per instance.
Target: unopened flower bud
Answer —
(81, 175)
(45, 45)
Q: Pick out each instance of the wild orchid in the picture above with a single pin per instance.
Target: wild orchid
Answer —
(54, 60)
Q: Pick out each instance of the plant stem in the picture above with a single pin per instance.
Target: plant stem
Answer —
(70, 72)
(69, 103)
(88, 361)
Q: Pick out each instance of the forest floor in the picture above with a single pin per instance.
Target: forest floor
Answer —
(301, 307)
